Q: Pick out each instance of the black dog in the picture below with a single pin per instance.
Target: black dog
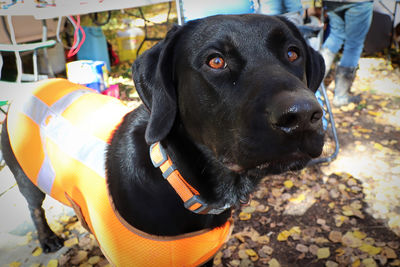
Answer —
(231, 98)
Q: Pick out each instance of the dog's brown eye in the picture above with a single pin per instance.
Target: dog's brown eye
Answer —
(217, 63)
(292, 55)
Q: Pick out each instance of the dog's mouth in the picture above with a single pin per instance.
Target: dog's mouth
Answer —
(292, 162)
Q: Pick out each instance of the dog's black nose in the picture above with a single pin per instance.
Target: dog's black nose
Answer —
(292, 114)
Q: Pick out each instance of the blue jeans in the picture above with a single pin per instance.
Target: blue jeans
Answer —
(349, 26)
(279, 7)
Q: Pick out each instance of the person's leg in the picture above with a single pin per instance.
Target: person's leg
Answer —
(336, 36)
(357, 22)
(271, 7)
(292, 6)
(335, 39)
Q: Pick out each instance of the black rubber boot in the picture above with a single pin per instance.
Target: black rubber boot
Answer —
(343, 81)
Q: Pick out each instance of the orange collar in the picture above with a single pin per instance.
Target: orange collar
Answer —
(190, 196)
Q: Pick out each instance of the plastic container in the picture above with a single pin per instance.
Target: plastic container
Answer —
(128, 42)
(95, 46)
(194, 9)
(92, 74)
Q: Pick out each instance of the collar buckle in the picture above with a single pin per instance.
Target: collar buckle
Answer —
(158, 155)
(196, 205)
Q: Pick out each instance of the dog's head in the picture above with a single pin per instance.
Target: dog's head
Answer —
(242, 87)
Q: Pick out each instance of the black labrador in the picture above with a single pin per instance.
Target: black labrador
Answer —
(231, 98)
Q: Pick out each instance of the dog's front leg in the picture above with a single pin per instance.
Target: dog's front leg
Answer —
(49, 241)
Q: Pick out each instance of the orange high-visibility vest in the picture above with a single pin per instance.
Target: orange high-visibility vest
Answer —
(59, 133)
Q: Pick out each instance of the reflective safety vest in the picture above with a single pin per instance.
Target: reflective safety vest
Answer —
(59, 133)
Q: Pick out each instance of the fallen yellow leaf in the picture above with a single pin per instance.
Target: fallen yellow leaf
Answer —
(79, 257)
(218, 258)
(283, 236)
(356, 205)
(323, 253)
(250, 252)
(288, 184)
(249, 209)
(340, 252)
(369, 262)
(339, 220)
(349, 107)
(295, 230)
(37, 251)
(240, 238)
(71, 242)
(263, 239)
(298, 199)
(28, 238)
(56, 227)
(52, 263)
(243, 216)
(378, 146)
(350, 240)
(360, 235)
(253, 255)
(356, 263)
(363, 130)
(274, 263)
(371, 250)
(374, 113)
(72, 225)
(254, 203)
(94, 259)
(347, 211)
(15, 264)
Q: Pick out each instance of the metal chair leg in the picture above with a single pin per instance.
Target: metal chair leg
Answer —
(331, 121)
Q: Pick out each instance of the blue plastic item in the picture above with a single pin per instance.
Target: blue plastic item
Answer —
(321, 102)
(95, 46)
(194, 9)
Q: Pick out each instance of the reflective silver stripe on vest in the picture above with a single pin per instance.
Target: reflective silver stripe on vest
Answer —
(46, 175)
(79, 145)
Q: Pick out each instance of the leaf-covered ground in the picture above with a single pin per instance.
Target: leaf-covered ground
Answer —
(346, 213)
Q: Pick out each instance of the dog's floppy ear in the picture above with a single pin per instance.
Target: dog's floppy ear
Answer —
(153, 77)
(315, 68)
(315, 65)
